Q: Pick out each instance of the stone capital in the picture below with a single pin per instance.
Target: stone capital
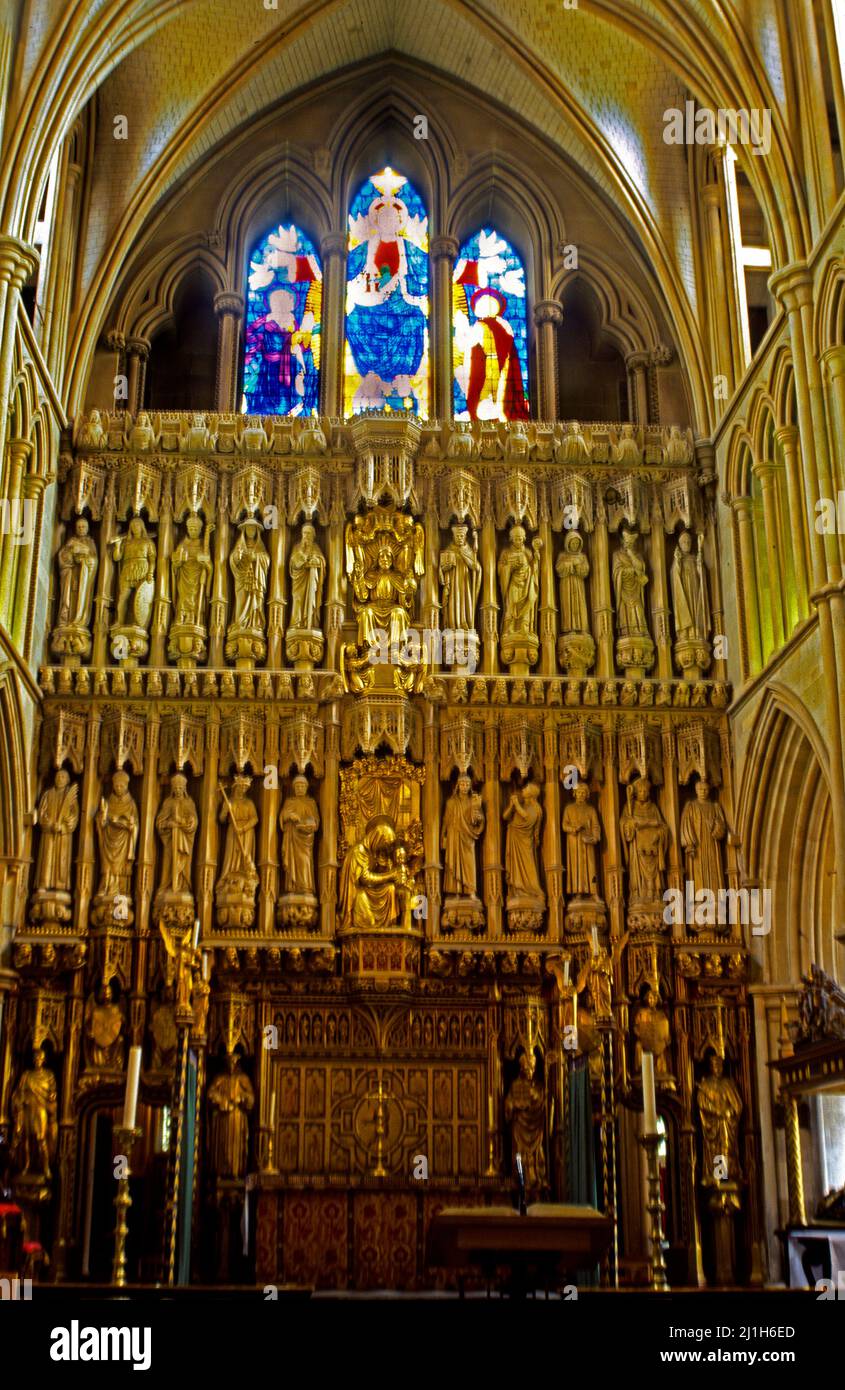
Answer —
(138, 347)
(444, 248)
(20, 450)
(834, 360)
(792, 285)
(18, 260)
(333, 244)
(228, 302)
(116, 340)
(637, 361)
(787, 437)
(741, 506)
(711, 195)
(548, 311)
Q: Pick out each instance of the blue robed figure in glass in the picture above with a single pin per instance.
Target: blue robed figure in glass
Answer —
(282, 338)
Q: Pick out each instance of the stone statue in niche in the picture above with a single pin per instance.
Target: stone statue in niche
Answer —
(235, 894)
(304, 640)
(719, 1108)
(583, 834)
(645, 840)
(141, 437)
(463, 823)
(652, 1033)
(703, 828)
(460, 581)
(526, 902)
(376, 883)
(191, 566)
(78, 562)
(34, 1122)
(230, 1099)
(690, 608)
(525, 1113)
(299, 821)
(103, 1030)
(135, 553)
(596, 976)
(92, 435)
(57, 818)
(626, 451)
(116, 823)
(249, 563)
(634, 647)
(176, 824)
(519, 581)
(575, 646)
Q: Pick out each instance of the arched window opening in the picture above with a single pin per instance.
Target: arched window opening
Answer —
(752, 257)
(182, 372)
(386, 350)
(593, 379)
(283, 326)
(490, 330)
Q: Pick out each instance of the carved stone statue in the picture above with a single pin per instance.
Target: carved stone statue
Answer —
(645, 839)
(230, 1098)
(576, 648)
(78, 562)
(34, 1105)
(676, 451)
(92, 434)
(703, 827)
(191, 566)
(249, 563)
(463, 823)
(526, 900)
(627, 451)
(821, 1008)
(719, 1108)
(596, 975)
(117, 832)
(238, 879)
(176, 824)
(525, 1112)
(373, 882)
(572, 447)
(583, 833)
(634, 647)
(136, 554)
(460, 581)
(384, 599)
(141, 437)
(103, 1029)
(299, 820)
(304, 640)
(57, 818)
(519, 581)
(652, 1032)
(691, 608)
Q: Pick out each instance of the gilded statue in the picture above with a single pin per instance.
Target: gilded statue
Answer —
(299, 820)
(690, 607)
(572, 568)
(92, 435)
(176, 824)
(652, 1032)
(78, 562)
(35, 1129)
(375, 883)
(191, 566)
(249, 563)
(103, 1029)
(460, 581)
(583, 834)
(626, 451)
(523, 817)
(634, 648)
(136, 554)
(116, 822)
(519, 581)
(141, 437)
(384, 596)
(181, 959)
(238, 879)
(307, 573)
(57, 817)
(596, 974)
(463, 822)
(719, 1109)
(230, 1098)
(645, 840)
(525, 1112)
(703, 828)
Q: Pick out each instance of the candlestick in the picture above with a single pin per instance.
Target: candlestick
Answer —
(649, 1096)
(272, 1109)
(125, 1137)
(133, 1076)
(655, 1209)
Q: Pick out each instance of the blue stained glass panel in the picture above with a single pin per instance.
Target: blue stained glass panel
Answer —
(282, 334)
(489, 330)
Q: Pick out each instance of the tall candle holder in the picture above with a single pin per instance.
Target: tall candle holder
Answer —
(655, 1208)
(125, 1139)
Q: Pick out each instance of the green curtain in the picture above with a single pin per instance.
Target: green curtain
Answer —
(186, 1186)
(582, 1154)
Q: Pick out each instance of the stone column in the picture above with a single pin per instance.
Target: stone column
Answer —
(600, 593)
(548, 317)
(431, 823)
(23, 602)
(637, 364)
(794, 1171)
(489, 596)
(430, 603)
(548, 595)
(609, 803)
(333, 252)
(764, 471)
(443, 254)
(834, 362)
(17, 263)
(163, 608)
(150, 787)
(19, 453)
(206, 874)
(552, 858)
(137, 356)
(116, 343)
(277, 601)
(105, 572)
(660, 592)
(747, 581)
(713, 198)
(220, 582)
(707, 479)
(229, 308)
(89, 801)
(268, 834)
(492, 851)
(335, 594)
(329, 820)
(61, 292)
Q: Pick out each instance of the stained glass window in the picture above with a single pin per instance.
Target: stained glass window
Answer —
(386, 354)
(490, 331)
(282, 338)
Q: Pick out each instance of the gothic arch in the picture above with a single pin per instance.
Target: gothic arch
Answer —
(629, 332)
(375, 131)
(265, 198)
(829, 318)
(148, 304)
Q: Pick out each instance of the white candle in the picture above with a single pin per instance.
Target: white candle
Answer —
(206, 965)
(649, 1097)
(566, 971)
(133, 1076)
(196, 933)
(595, 941)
